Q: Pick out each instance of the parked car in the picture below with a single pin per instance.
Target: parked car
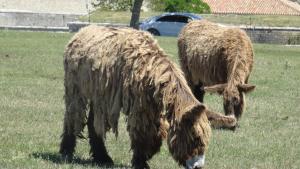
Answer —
(168, 24)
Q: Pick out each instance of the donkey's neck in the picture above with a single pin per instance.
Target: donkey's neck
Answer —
(236, 72)
(177, 97)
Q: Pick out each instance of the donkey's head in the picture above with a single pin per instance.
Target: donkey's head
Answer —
(188, 137)
(233, 97)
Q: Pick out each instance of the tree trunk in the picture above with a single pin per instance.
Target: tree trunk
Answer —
(136, 10)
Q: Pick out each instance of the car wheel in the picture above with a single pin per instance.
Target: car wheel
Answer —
(154, 32)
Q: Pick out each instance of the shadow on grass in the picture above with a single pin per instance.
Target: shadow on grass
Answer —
(57, 159)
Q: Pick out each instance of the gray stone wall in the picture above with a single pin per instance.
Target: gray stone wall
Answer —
(274, 35)
(10, 19)
(41, 13)
(76, 26)
(46, 6)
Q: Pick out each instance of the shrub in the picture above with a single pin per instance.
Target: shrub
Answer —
(195, 6)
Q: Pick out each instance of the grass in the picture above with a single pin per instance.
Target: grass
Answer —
(255, 20)
(32, 110)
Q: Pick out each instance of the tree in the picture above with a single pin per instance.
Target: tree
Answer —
(135, 16)
(195, 6)
(123, 5)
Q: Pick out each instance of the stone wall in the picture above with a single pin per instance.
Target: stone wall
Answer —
(46, 6)
(76, 26)
(10, 19)
(41, 13)
(274, 35)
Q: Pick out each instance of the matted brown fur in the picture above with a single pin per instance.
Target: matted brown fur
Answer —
(217, 59)
(125, 70)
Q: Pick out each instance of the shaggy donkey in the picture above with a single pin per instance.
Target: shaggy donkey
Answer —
(109, 70)
(217, 59)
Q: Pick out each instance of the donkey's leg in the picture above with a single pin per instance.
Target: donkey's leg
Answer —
(143, 150)
(139, 159)
(74, 121)
(218, 120)
(198, 91)
(98, 150)
(146, 140)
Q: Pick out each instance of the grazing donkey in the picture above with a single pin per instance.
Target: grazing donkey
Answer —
(219, 60)
(109, 70)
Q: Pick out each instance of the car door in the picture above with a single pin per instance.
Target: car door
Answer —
(171, 25)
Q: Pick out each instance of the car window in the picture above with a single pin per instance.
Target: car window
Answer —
(174, 18)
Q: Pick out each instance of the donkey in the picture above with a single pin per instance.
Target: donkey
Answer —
(218, 60)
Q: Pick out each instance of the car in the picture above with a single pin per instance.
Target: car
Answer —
(167, 24)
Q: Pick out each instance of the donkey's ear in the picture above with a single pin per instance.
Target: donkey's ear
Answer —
(218, 88)
(193, 114)
(246, 88)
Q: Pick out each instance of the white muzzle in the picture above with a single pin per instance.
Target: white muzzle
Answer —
(195, 162)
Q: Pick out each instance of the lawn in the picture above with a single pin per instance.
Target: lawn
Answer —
(254, 20)
(32, 110)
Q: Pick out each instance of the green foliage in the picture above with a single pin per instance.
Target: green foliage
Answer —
(195, 6)
(113, 5)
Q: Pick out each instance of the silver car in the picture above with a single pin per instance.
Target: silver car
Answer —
(168, 24)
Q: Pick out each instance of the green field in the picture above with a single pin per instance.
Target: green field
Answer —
(254, 20)
(32, 110)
